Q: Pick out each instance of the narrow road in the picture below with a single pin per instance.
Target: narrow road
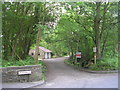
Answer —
(60, 75)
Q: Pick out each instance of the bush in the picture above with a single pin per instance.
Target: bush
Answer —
(28, 61)
(106, 64)
(102, 64)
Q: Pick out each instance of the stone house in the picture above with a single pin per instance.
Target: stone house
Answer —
(43, 53)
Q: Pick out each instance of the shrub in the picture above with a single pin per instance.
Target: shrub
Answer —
(28, 61)
(106, 64)
(102, 64)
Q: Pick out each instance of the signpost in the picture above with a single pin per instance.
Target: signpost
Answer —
(78, 54)
(94, 50)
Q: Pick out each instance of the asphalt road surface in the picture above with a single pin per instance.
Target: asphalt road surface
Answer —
(60, 75)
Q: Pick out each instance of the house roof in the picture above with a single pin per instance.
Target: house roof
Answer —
(44, 49)
(41, 48)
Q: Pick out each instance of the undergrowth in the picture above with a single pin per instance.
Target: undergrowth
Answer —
(28, 61)
(101, 65)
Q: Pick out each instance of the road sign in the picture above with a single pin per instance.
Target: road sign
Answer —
(94, 49)
(24, 72)
(78, 54)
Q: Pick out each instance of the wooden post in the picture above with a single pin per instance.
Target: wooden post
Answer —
(95, 57)
(94, 50)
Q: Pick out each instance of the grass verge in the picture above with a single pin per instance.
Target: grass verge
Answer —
(105, 64)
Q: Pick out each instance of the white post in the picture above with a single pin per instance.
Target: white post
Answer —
(94, 50)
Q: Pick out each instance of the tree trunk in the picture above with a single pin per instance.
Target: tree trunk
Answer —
(104, 45)
(118, 28)
(97, 29)
(37, 46)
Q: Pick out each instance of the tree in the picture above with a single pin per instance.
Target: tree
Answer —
(15, 32)
(83, 26)
(97, 29)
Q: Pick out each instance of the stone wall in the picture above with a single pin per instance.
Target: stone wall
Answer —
(12, 74)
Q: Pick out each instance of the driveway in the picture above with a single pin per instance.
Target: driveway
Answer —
(60, 75)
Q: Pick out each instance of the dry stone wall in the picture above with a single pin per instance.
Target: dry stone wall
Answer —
(21, 73)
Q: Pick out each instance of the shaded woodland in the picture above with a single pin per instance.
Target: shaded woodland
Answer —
(63, 27)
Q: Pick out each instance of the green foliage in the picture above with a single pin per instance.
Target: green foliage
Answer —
(20, 26)
(76, 31)
(71, 31)
(105, 64)
(28, 61)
